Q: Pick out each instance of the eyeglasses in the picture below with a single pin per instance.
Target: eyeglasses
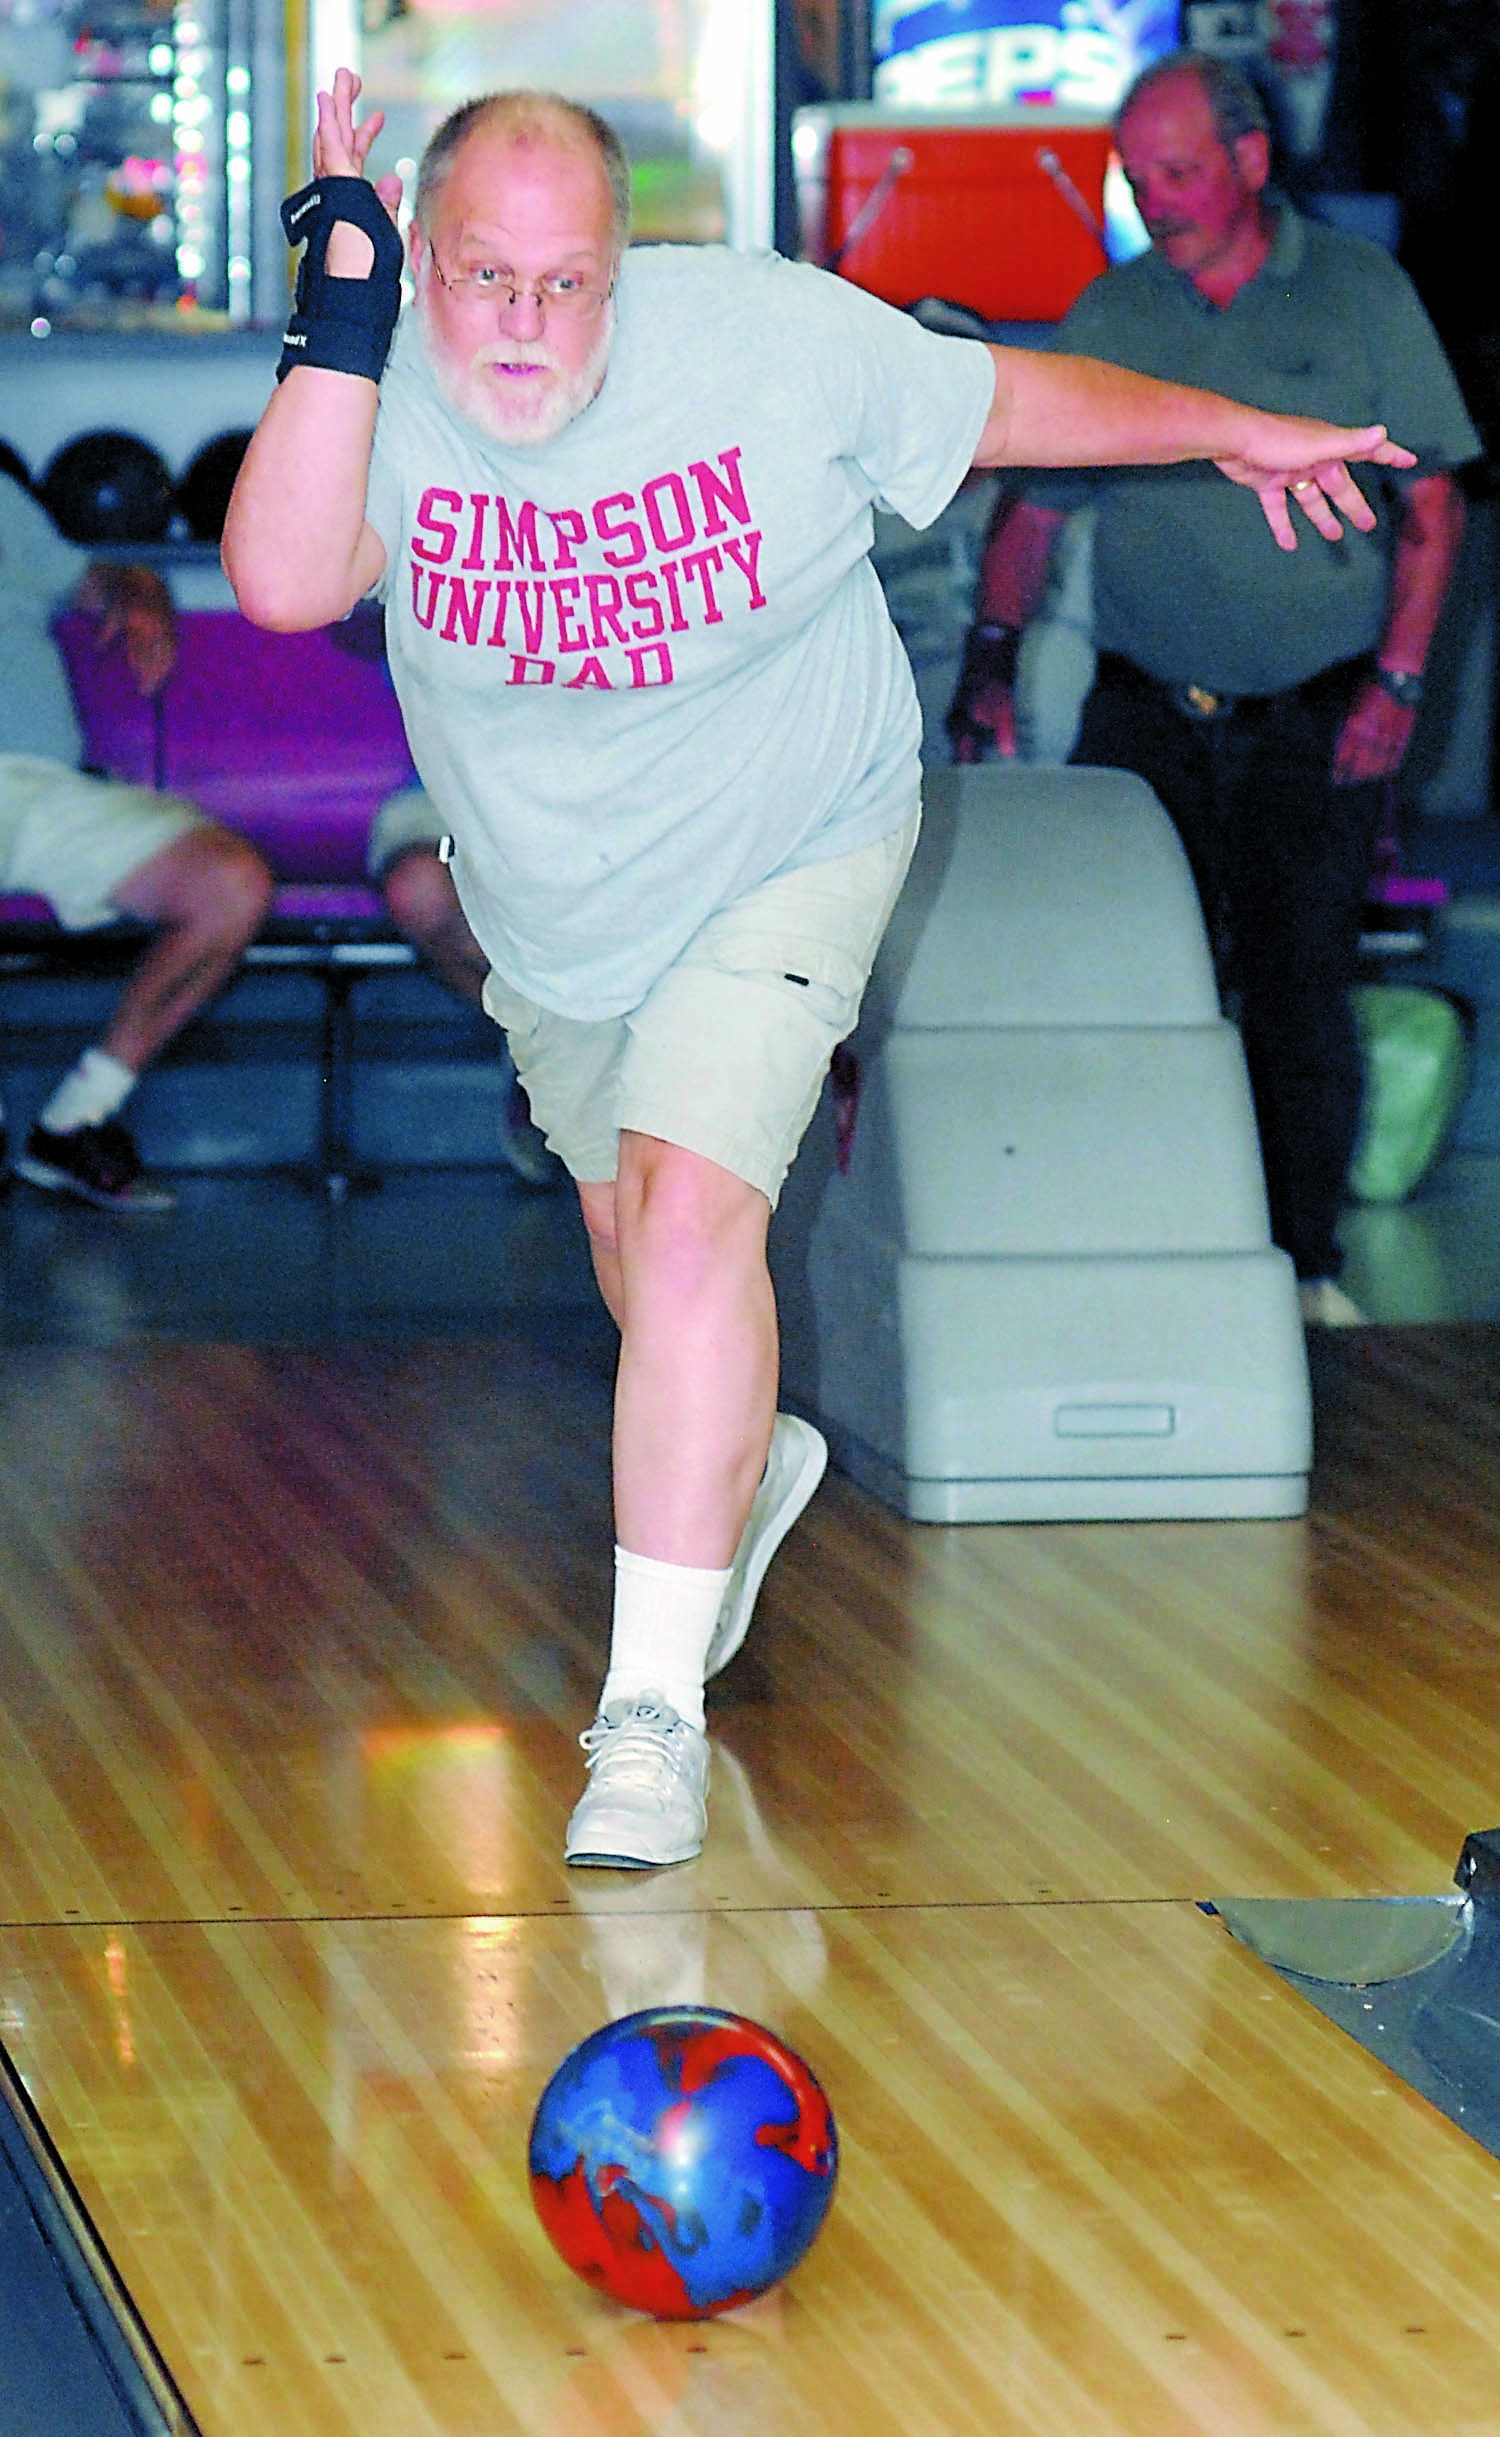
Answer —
(560, 292)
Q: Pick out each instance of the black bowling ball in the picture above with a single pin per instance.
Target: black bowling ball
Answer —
(108, 487)
(203, 489)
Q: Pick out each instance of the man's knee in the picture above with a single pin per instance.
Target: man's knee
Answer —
(421, 896)
(685, 1216)
(239, 881)
(209, 879)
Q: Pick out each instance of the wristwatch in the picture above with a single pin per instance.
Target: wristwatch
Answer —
(1402, 685)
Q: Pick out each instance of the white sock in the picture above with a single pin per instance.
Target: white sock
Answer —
(96, 1087)
(664, 1621)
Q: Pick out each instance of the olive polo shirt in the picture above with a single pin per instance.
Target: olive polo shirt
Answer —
(1188, 582)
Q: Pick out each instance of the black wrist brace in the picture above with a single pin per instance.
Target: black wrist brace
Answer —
(341, 325)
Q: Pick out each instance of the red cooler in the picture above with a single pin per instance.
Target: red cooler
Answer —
(988, 212)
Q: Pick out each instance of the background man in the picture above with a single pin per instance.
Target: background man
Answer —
(620, 510)
(1268, 700)
(98, 850)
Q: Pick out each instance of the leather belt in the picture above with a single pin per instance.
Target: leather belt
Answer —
(1204, 705)
(1200, 703)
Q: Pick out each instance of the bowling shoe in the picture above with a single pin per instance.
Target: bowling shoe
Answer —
(794, 1468)
(645, 1804)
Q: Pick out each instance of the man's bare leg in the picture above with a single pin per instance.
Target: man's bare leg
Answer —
(207, 895)
(419, 890)
(679, 1248)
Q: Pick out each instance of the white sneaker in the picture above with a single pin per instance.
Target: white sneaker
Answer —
(794, 1468)
(1326, 1306)
(645, 1802)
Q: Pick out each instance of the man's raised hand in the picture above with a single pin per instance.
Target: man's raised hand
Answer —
(340, 150)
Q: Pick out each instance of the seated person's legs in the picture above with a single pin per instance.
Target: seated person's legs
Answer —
(680, 1121)
(98, 850)
(206, 896)
(402, 858)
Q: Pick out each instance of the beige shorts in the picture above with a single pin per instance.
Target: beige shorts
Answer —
(72, 839)
(727, 1053)
(404, 820)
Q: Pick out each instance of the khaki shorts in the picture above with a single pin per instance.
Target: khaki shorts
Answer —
(403, 821)
(727, 1053)
(73, 839)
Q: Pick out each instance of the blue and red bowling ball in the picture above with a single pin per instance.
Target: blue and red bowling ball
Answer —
(682, 2160)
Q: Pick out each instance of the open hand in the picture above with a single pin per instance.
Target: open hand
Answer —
(340, 150)
(1289, 457)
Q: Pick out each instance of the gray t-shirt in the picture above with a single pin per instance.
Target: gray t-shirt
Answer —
(647, 664)
(1188, 583)
(39, 571)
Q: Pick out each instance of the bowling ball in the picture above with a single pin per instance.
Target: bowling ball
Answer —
(108, 487)
(203, 488)
(682, 2160)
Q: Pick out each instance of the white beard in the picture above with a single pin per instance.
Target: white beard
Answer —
(519, 411)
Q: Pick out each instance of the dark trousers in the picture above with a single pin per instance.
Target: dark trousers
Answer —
(1282, 859)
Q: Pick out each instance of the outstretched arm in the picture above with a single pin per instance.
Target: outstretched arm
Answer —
(1060, 410)
(297, 548)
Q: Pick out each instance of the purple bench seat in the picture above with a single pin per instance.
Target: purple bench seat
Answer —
(293, 740)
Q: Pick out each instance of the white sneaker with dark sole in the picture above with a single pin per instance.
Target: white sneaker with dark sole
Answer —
(98, 1164)
(794, 1468)
(645, 1804)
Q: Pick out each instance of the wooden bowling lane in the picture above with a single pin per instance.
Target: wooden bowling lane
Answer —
(1102, 2176)
(312, 1634)
(294, 1648)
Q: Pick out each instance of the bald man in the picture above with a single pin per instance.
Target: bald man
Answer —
(620, 507)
